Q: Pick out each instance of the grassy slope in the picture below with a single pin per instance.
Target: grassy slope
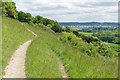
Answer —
(41, 61)
(113, 46)
(77, 64)
(42, 58)
(0, 46)
(13, 35)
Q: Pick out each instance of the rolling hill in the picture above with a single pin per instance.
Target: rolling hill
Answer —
(41, 55)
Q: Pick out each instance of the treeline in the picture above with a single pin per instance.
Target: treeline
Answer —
(9, 10)
(107, 36)
(96, 29)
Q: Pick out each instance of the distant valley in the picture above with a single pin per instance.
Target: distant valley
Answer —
(89, 24)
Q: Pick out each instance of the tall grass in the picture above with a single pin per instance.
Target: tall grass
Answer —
(13, 35)
(77, 63)
(41, 61)
(0, 46)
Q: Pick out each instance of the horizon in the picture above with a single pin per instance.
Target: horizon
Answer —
(89, 22)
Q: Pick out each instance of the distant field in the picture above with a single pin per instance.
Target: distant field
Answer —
(85, 33)
(76, 28)
(13, 35)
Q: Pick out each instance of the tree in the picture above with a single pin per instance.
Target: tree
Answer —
(67, 29)
(38, 19)
(57, 27)
(76, 33)
(24, 17)
(45, 21)
(9, 9)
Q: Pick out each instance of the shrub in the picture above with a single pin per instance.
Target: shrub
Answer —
(49, 25)
(67, 29)
(57, 27)
(104, 50)
(89, 39)
(76, 33)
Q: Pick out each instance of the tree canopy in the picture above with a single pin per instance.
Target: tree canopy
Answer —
(67, 29)
(9, 9)
(24, 17)
(57, 27)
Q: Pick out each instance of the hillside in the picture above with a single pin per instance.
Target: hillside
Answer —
(13, 35)
(77, 63)
(43, 51)
(51, 51)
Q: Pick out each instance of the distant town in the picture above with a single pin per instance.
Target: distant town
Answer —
(86, 25)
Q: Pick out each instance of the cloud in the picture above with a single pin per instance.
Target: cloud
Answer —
(71, 10)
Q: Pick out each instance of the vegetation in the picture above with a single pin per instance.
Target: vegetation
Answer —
(12, 37)
(95, 29)
(24, 17)
(94, 48)
(9, 9)
(67, 29)
(76, 62)
(41, 61)
(83, 56)
(107, 36)
(57, 27)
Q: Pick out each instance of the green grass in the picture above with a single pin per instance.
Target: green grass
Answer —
(0, 47)
(41, 61)
(13, 35)
(76, 28)
(114, 46)
(77, 64)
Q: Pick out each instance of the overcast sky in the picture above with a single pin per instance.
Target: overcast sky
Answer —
(72, 10)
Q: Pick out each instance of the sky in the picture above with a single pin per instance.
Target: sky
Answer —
(72, 10)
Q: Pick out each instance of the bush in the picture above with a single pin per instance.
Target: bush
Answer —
(41, 25)
(49, 25)
(76, 33)
(57, 27)
(67, 29)
(89, 39)
(104, 50)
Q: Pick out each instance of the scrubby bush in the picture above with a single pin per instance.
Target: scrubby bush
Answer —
(57, 27)
(49, 25)
(95, 48)
(41, 25)
(104, 50)
(89, 39)
(67, 29)
(76, 33)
